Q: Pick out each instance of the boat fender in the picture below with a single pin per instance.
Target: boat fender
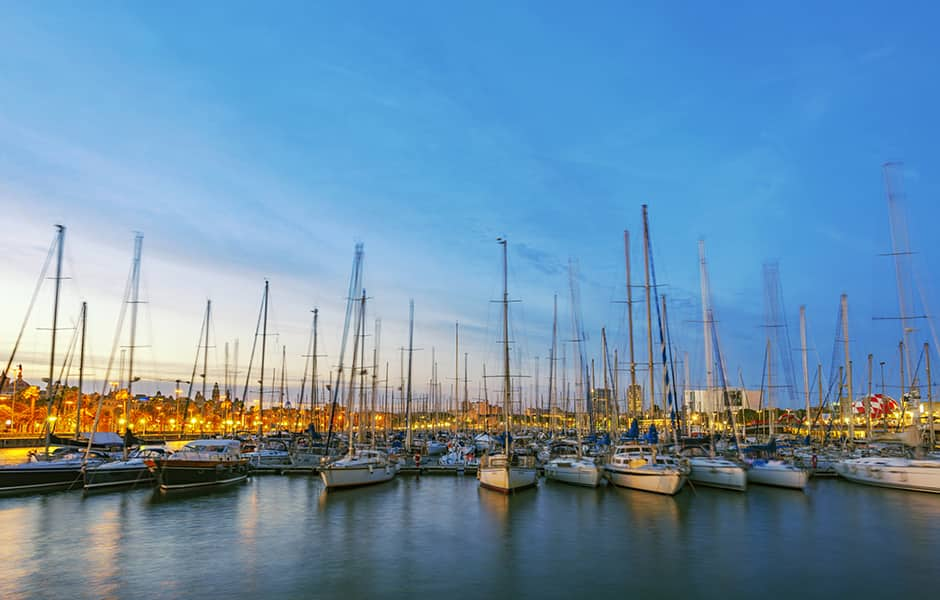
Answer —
(815, 460)
(417, 460)
(370, 469)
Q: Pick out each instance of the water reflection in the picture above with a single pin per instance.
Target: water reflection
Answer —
(285, 537)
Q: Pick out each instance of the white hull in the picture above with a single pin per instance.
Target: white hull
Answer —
(778, 474)
(896, 473)
(503, 479)
(575, 472)
(647, 478)
(342, 477)
(718, 473)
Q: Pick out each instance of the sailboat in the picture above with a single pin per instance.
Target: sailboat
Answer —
(507, 472)
(359, 467)
(567, 462)
(58, 470)
(210, 463)
(132, 470)
(709, 469)
(641, 466)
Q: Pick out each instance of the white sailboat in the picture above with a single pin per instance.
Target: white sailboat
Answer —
(360, 466)
(899, 473)
(569, 466)
(777, 473)
(506, 472)
(640, 467)
(709, 469)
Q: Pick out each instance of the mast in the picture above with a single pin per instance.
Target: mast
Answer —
(205, 356)
(507, 398)
(314, 382)
(901, 403)
(264, 339)
(362, 368)
(820, 384)
(135, 277)
(649, 306)
(605, 376)
(352, 374)
(81, 375)
(849, 410)
(466, 386)
(281, 388)
(770, 392)
(456, 371)
(387, 415)
(868, 395)
(411, 334)
(703, 277)
(375, 379)
(803, 350)
(900, 248)
(60, 242)
(931, 434)
(551, 363)
(626, 253)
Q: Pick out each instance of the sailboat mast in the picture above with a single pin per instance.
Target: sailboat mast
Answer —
(849, 411)
(352, 377)
(507, 398)
(264, 339)
(138, 243)
(931, 434)
(411, 333)
(803, 350)
(649, 306)
(868, 396)
(551, 363)
(205, 353)
(456, 372)
(626, 255)
(314, 382)
(606, 386)
(60, 242)
(771, 405)
(375, 379)
(703, 276)
(81, 374)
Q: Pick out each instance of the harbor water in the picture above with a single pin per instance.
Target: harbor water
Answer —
(442, 536)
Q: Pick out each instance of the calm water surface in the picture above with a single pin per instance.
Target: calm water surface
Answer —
(285, 537)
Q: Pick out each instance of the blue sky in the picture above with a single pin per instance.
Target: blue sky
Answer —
(249, 141)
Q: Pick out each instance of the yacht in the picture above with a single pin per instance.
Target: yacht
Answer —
(568, 466)
(120, 473)
(920, 475)
(358, 468)
(640, 467)
(199, 464)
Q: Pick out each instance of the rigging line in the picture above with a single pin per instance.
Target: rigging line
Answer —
(117, 333)
(32, 302)
(251, 357)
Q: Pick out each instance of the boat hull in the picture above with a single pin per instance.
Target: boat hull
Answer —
(107, 476)
(718, 474)
(46, 477)
(182, 475)
(777, 476)
(507, 479)
(338, 477)
(647, 479)
(574, 473)
(894, 474)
